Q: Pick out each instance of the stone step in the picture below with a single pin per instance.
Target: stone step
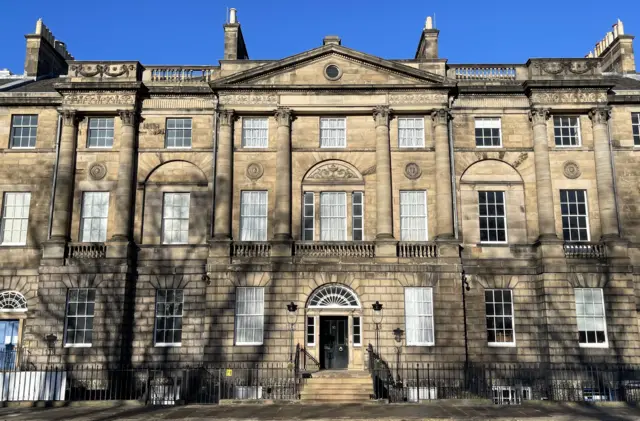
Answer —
(341, 374)
(351, 380)
(338, 387)
(336, 394)
(337, 400)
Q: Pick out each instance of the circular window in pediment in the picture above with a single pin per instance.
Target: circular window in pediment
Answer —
(332, 72)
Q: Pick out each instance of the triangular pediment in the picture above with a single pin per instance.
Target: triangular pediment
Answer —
(354, 68)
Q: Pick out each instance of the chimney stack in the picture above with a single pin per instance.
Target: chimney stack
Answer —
(234, 47)
(45, 56)
(615, 50)
(428, 45)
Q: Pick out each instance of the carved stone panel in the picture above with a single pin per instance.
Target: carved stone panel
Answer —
(100, 98)
(569, 96)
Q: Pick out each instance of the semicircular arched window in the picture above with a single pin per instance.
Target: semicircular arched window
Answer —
(334, 296)
(12, 301)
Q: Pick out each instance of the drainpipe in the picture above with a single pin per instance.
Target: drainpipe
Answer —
(615, 184)
(454, 194)
(55, 175)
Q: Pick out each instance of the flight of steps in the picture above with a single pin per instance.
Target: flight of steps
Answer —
(339, 386)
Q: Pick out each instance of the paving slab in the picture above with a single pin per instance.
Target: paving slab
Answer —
(441, 411)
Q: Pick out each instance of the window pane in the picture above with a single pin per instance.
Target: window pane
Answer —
(249, 315)
(100, 133)
(499, 316)
(487, 130)
(15, 218)
(253, 216)
(411, 132)
(175, 218)
(95, 211)
(590, 316)
(357, 216)
(168, 317)
(23, 131)
(255, 132)
(413, 216)
(79, 316)
(178, 133)
(492, 216)
(308, 217)
(574, 210)
(566, 131)
(333, 133)
(333, 216)
(419, 316)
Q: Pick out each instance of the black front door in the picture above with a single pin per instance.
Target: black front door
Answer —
(334, 346)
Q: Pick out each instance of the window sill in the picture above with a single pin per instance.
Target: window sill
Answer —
(168, 345)
(604, 345)
(13, 245)
(104, 148)
(424, 344)
(490, 147)
(496, 244)
(22, 148)
(357, 345)
(249, 344)
(501, 344)
(179, 148)
(77, 345)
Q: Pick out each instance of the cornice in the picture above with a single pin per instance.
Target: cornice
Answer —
(31, 100)
(332, 88)
(97, 86)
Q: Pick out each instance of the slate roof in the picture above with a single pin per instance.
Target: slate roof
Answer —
(43, 85)
(622, 82)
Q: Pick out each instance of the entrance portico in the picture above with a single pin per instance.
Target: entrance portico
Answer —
(333, 323)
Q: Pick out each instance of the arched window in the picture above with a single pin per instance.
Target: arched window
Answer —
(334, 296)
(12, 301)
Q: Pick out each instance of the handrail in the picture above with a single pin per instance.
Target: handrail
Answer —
(308, 363)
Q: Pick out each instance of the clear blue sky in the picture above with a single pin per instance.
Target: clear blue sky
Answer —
(190, 32)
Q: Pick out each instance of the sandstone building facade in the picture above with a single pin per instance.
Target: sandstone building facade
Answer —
(170, 213)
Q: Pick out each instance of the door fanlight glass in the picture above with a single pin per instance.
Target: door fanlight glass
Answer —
(334, 296)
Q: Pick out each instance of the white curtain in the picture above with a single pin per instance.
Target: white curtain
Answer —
(413, 216)
(333, 216)
(249, 316)
(253, 216)
(333, 133)
(255, 132)
(411, 132)
(418, 310)
(95, 211)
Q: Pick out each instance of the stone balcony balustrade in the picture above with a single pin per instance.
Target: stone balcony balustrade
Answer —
(585, 251)
(86, 251)
(335, 249)
(408, 249)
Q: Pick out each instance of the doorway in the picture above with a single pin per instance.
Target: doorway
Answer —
(334, 342)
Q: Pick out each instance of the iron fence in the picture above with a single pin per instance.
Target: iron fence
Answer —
(506, 383)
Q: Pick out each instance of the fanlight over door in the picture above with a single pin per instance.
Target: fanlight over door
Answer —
(334, 296)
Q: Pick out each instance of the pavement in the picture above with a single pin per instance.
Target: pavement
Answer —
(441, 411)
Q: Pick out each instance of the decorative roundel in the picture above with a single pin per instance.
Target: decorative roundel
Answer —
(332, 72)
(12, 301)
(412, 171)
(254, 171)
(97, 170)
(571, 169)
(334, 296)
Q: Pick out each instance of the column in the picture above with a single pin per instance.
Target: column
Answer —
(444, 198)
(604, 173)
(282, 229)
(65, 178)
(124, 187)
(224, 177)
(546, 218)
(384, 213)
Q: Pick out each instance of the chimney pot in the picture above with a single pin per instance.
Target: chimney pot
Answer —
(615, 30)
(331, 40)
(620, 27)
(233, 18)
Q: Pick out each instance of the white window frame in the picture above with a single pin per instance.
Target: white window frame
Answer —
(343, 128)
(488, 122)
(308, 335)
(180, 316)
(324, 219)
(635, 128)
(353, 332)
(504, 217)
(405, 232)
(407, 294)
(260, 143)
(418, 139)
(84, 219)
(306, 216)
(354, 216)
(107, 128)
(5, 216)
(173, 218)
(183, 130)
(603, 317)
(260, 234)
(259, 315)
(495, 316)
(579, 131)
(586, 216)
(21, 125)
(76, 316)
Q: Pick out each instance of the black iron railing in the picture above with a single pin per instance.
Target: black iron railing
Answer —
(305, 363)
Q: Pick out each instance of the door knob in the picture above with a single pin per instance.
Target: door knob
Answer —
(340, 349)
